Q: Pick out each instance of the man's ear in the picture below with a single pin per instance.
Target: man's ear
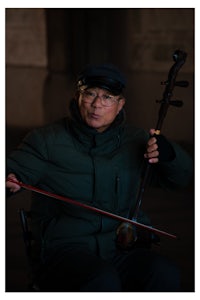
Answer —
(121, 103)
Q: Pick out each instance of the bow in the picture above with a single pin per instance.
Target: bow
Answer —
(91, 208)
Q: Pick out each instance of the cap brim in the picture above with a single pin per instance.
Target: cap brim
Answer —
(106, 83)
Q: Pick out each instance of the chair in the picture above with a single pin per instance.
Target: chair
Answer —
(25, 218)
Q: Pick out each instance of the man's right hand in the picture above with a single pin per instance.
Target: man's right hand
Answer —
(14, 187)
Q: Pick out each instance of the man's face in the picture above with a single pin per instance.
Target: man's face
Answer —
(93, 110)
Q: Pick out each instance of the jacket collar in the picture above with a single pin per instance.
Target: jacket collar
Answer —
(89, 136)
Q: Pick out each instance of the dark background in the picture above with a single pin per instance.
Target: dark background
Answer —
(46, 48)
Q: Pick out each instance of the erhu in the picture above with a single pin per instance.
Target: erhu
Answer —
(127, 234)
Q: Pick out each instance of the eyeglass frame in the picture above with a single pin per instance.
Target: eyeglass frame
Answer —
(84, 91)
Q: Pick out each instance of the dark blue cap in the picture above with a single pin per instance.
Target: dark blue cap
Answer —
(105, 76)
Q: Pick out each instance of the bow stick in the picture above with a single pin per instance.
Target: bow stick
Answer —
(91, 208)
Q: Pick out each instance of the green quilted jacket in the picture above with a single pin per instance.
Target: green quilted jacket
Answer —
(100, 169)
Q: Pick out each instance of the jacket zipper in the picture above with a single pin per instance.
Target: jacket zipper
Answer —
(94, 169)
(117, 180)
(117, 184)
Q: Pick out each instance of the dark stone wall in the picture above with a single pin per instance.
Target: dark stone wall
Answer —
(46, 48)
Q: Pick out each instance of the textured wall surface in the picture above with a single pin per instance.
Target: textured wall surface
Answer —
(26, 37)
(155, 33)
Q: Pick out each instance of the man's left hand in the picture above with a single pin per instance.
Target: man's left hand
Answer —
(152, 152)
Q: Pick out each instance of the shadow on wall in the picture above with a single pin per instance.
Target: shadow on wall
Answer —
(47, 104)
(14, 136)
(57, 93)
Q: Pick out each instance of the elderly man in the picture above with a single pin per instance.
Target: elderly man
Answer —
(94, 157)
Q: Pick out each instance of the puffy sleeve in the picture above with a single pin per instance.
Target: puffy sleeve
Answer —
(177, 172)
(30, 159)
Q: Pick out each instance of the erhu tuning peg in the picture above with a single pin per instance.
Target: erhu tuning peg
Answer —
(177, 103)
(182, 83)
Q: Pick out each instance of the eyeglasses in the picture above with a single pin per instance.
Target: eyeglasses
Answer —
(106, 99)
